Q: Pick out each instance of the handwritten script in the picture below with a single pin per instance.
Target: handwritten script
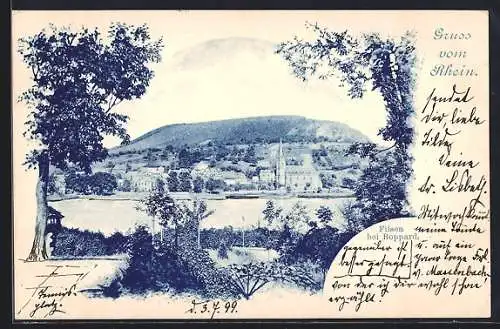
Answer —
(57, 284)
(444, 250)
(211, 308)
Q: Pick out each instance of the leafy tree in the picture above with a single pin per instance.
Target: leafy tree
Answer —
(51, 185)
(173, 182)
(103, 183)
(250, 155)
(184, 158)
(126, 186)
(198, 184)
(349, 182)
(213, 185)
(100, 183)
(373, 202)
(169, 149)
(297, 218)
(222, 250)
(160, 185)
(78, 79)
(324, 214)
(198, 212)
(161, 206)
(388, 65)
(271, 213)
(185, 181)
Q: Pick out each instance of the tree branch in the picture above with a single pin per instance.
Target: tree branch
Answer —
(35, 73)
(386, 149)
(112, 104)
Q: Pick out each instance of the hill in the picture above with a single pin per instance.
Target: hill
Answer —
(262, 130)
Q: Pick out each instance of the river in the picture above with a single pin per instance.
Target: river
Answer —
(108, 216)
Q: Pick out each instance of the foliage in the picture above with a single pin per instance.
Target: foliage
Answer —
(163, 208)
(349, 182)
(251, 277)
(380, 191)
(211, 238)
(389, 65)
(186, 157)
(184, 182)
(222, 250)
(125, 186)
(173, 181)
(327, 181)
(193, 215)
(286, 243)
(213, 185)
(324, 215)
(71, 242)
(297, 218)
(319, 245)
(99, 183)
(198, 184)
(257, 237)
(150, 158)
(271, 212)
(77, 79)
(250, 155)
(150, 269)
(163, 268)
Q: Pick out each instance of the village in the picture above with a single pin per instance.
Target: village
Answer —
(283, 170)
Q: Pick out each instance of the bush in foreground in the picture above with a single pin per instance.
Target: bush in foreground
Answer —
(163, 268)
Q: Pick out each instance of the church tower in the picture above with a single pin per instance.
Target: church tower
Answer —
(280, 167)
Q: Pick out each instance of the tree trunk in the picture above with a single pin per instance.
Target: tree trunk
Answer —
(198, 238)
(176, 236)
(38, 251)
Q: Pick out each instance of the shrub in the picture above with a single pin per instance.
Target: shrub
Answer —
(186, 270)
(319, 246)
(251, 277)
(116, 243)
(212, 282)
(222, 251)
(126, 186)
(71, 242)
(198, 184)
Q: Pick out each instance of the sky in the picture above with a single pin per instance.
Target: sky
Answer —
(221, 65)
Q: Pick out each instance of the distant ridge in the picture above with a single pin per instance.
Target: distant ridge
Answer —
(268, 129)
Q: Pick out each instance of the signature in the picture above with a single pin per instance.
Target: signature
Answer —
(48, 295)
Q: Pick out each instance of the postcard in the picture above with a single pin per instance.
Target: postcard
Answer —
(250, 165)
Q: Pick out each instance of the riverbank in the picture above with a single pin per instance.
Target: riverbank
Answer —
(136, 196)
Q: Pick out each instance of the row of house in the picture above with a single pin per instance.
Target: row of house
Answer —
(277, 175)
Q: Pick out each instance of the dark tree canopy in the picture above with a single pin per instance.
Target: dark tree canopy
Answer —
(385, 65)
(78, 78)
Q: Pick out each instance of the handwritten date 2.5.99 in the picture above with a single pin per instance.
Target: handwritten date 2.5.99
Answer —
(213, 307)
